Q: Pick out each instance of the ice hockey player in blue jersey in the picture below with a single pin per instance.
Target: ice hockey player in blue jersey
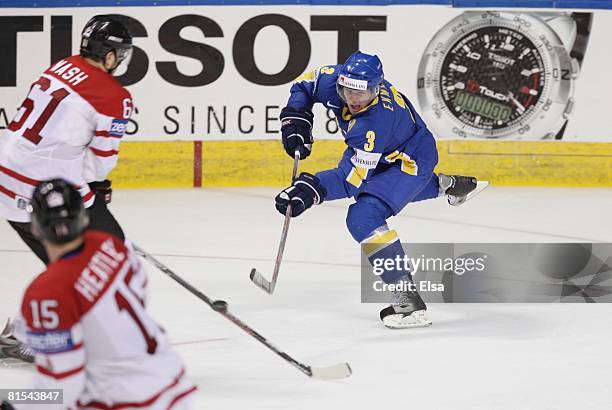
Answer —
(388, 163)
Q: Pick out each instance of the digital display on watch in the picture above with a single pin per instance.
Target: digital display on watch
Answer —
(485, 107)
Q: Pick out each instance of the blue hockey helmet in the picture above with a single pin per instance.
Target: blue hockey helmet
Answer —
(362, 72)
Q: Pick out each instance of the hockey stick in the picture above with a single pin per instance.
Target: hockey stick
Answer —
(256, 277)
(338, 371)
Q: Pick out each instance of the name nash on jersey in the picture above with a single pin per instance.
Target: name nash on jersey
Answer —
(73, 75)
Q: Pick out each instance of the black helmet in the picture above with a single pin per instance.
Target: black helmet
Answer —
(103, 34)
(57, 211)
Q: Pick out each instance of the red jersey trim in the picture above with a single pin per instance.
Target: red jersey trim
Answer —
(59, 376)
(13, 195)
(181, 396)
(102, 153)
(88, 196)
(7, 192)
(106, 134)
(145, 403)
(29, 181)
(19, 177)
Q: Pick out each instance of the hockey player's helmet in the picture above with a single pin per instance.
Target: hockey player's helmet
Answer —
(103, 34)
(362, 72)
(57, 211)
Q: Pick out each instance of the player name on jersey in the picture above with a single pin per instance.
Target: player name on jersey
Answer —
(69, 72)
(100, 269)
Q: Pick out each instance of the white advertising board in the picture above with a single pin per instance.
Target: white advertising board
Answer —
(224, 72)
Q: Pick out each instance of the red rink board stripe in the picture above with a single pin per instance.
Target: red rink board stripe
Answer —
(197, 164)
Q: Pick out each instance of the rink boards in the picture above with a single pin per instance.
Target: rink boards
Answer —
(264, 162)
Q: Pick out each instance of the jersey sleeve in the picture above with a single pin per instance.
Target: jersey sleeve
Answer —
(51, 320)
(305, 91)
(103, 152)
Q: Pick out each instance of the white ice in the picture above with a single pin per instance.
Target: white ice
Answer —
(475, 356)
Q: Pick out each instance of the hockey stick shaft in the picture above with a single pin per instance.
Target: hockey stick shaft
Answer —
(256, 277)
(283, 238)
(223, 311)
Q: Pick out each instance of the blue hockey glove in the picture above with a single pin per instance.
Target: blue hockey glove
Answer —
(305, 192)
(296, 130)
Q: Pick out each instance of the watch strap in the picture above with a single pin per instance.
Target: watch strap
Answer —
(584, 22)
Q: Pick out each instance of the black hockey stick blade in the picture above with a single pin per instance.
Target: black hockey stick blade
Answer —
(335, 372)
(259, 280)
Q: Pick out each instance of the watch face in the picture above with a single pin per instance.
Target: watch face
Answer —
(496, 75)
(492, 78)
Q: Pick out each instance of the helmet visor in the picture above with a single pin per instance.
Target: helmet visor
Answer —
(124, 55)
(361, 97)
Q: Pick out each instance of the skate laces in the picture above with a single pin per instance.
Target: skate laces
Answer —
(26, 353)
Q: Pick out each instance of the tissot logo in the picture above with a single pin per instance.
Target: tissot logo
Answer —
(212, 60)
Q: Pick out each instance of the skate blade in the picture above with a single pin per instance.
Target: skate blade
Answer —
(10, 362)
(399, 321)
(480, 186)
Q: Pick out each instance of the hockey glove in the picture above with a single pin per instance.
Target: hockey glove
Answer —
(305, 192)
(296, 130)
(102, 190)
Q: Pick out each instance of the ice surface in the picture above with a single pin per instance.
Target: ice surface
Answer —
(475, 356)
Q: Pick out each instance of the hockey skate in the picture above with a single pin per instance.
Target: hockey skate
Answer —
(408, 311)
(460, 189)
(12, 350)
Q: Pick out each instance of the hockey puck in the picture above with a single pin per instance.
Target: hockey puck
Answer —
(219, 306)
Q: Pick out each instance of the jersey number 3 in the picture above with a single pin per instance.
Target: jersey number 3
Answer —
(33, 133)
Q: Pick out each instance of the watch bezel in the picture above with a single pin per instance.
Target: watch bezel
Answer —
(547, 115)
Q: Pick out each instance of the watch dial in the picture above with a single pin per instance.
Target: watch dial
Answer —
(492, 78)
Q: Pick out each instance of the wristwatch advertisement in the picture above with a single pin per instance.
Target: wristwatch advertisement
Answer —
(503, 74)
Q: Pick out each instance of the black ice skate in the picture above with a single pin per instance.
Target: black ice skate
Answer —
(12, 350)
(408, 311)
(460, 189)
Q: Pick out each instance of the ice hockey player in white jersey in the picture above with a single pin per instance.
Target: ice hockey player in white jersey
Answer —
(69, 125)
(85, 317)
